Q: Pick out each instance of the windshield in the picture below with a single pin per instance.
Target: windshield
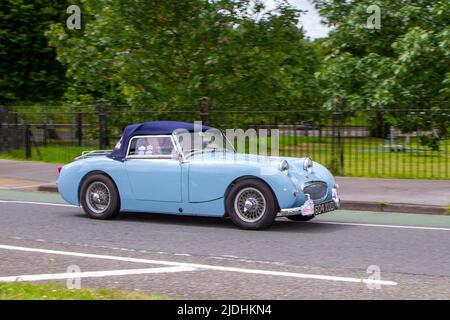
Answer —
(202, 142)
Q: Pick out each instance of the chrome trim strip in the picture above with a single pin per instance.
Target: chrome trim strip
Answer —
(93, 153)
(289, 212)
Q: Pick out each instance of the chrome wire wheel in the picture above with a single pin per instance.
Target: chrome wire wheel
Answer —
(250, 204)
(98, 197)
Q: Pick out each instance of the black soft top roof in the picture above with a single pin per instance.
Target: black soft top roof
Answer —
(150, 128)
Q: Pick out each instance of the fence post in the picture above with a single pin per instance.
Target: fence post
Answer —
(3, 121)
(45, 131)
(103, 134)
(27, 139)
(340, 140)
(337, 123)
(204, 110)
(3, 115)
(79, 128)
(333, 162)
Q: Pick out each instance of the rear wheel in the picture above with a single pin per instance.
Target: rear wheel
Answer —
(251, 204)
(99, 197)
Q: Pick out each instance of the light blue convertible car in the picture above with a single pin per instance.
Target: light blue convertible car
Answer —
(182, 168)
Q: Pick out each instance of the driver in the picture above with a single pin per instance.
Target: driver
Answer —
(211, 143)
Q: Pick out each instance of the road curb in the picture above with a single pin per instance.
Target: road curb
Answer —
(351, 205)
(393, 207)
(47, 188)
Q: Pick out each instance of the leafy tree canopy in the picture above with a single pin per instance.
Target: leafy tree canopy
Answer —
(405, 64)
(28, 67)
(171, 53)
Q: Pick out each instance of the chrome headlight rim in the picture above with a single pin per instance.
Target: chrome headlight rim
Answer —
(284, 167)
(307, 164)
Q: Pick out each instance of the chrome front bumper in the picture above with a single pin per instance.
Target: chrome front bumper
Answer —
(298, 210)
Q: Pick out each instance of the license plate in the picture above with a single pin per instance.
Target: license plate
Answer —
(324, 207)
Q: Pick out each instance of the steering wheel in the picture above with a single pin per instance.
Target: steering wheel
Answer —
(193, 151)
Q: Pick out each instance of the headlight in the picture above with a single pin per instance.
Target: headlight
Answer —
(307, 164)
(284, 167)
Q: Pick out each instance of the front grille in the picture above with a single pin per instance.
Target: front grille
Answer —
(316, 190)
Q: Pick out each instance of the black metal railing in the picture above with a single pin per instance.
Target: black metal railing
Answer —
(395, 143)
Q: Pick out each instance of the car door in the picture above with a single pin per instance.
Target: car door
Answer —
(154, 175)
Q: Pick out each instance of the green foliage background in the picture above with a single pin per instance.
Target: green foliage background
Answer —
(165, 55)
(168, 54)
(403, 65)
(29, 70)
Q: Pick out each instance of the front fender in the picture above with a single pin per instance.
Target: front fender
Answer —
(208, 182)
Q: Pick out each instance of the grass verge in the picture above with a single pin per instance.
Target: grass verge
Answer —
(361, 157)
(51, 154)
(51, 291)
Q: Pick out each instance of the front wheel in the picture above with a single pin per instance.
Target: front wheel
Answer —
(99, 197)
(251, 204)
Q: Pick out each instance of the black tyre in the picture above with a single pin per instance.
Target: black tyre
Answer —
(99, 197)
(251, 204)
(300, 218)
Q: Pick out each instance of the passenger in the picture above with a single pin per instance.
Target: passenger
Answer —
(147, 146)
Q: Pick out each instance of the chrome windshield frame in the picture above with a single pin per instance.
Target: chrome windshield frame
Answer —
(185, 156)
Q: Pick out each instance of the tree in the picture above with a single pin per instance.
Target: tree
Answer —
(30, 72)
(168, 54)
(403, 65)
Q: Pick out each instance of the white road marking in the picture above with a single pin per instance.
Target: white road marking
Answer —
(380, 225)
(202, 266)
(39, 203)
(93, 274)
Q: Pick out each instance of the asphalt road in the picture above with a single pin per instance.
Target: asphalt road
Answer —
(215, 260)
